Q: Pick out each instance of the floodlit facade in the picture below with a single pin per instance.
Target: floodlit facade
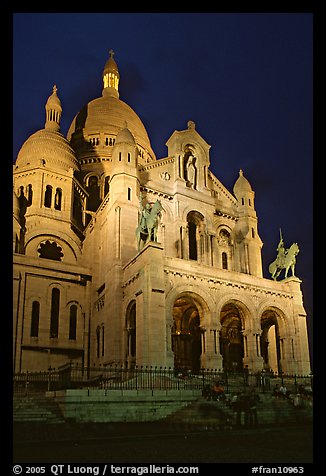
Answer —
(89, 290)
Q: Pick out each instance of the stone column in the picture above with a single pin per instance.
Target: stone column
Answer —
(150, 304)
(212, 359)
(252, 355)
(287, 362)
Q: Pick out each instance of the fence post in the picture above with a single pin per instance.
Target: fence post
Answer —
(49, 378)
(26, 383)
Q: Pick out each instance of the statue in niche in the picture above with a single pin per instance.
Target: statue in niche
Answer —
(148, 222)
(224, 238)
(190, 168)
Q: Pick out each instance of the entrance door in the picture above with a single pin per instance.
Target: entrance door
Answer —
(231, 340)
(186, 336)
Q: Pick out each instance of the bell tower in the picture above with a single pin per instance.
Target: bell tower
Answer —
(247, 240)
(124, 191)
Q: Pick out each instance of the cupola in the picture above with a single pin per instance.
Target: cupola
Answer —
(53, 111)
(111, 77)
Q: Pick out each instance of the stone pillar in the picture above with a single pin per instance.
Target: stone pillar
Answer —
(287, 361)
(150, 305)
(169, 352)
(252, 356)
(185, 242)
(213, 358)
(300, 343)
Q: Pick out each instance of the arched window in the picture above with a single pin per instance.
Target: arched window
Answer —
(29, 195)
(192, 241)
(131, 333)
(48, 196)
(224, 260)
(129, 157)
(129, 193)
(35, 319)
(54, 319)
(73, 322)
(58, 199)
(98, 337)
(103, 344)
(196, 229)
(77, 210)
(106, 185)
(93, 189)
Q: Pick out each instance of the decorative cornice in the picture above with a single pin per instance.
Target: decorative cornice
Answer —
(156, 163)
(130, 280)
(221, 187)
(157, 192)
(219, 213)
(213, 283)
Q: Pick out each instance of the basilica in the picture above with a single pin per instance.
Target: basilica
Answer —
(120, 257)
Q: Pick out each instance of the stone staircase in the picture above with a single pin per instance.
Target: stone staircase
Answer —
(197, 414)
(36, 408)
(202, 414)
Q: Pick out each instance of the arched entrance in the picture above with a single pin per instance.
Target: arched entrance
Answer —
(231, 339)
(131, 335)
(270, 341)
(186, 334)
(196, 228)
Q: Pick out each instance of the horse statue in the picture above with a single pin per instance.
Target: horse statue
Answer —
(147, 228)
(286, 259)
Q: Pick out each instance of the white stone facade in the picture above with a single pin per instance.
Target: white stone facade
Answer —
(83, 291)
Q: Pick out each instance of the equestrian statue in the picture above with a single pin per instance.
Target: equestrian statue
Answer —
(286, 259)
(148, 222)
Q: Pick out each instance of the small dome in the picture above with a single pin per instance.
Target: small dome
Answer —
(111, 65)
(125, 136)
(53, 100)
(241, 186)
(49, 148)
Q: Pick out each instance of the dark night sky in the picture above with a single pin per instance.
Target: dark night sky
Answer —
(245, 79)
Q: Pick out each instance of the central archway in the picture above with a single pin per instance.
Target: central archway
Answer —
(231, 338)
(270, 341)
(186, 334)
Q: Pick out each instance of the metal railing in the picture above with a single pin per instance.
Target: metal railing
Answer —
(116, 377)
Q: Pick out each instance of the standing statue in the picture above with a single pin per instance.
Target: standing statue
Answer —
(286, 259)
(189, 168)
(191, 171)
(281, 252)
(148, 222)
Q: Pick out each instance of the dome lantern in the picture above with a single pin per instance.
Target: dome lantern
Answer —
(53, 111)
(111, 77)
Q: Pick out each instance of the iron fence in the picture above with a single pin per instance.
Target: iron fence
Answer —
(117, 377)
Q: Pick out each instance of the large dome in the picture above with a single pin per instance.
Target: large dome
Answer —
(94, 129)
(49, 148)
(107, 116)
